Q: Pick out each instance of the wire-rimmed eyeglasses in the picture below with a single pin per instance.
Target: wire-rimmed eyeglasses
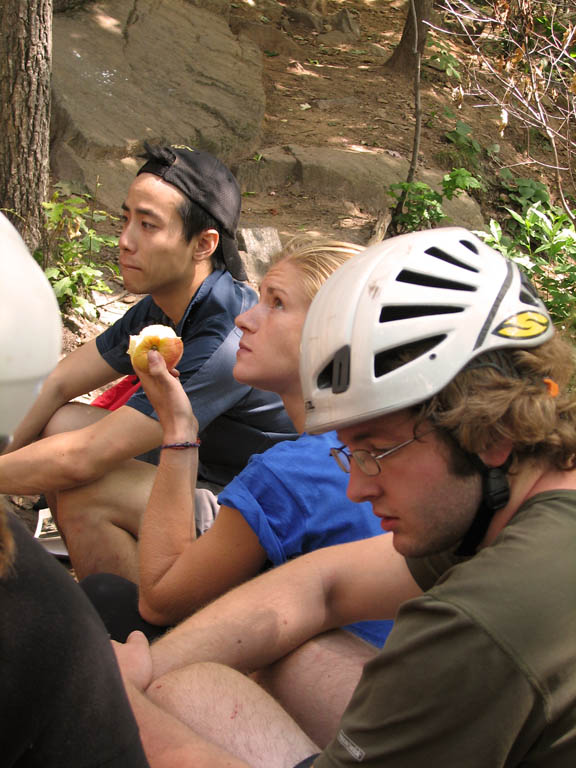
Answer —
(368, 461)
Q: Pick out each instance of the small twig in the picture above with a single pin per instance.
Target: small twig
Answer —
(399, 207)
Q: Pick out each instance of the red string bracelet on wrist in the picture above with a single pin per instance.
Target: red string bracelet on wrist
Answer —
(181, 446)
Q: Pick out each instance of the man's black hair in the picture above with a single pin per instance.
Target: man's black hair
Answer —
(194, 218)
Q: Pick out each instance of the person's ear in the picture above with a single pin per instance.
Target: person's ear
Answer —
(206, 244)
(497, 454)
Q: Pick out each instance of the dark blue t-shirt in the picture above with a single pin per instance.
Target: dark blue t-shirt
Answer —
(235, 420)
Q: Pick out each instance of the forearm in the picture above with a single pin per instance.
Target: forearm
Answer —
(168, 523)
(268, 617)
(46, 465)
(253, 625)
(80, 456)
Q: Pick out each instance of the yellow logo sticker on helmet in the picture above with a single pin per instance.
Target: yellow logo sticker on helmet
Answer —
(523, 325)
(182, 146)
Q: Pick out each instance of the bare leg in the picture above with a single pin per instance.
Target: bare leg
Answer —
(315, 682)
(100, 521)
(231, 711)
(73, 416)
(168, 742)
(66, 419)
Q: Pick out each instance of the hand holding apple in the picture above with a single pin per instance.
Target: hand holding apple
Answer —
(161, 383)
(159, 337)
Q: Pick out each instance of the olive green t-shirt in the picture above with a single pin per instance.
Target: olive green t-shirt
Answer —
(479, 671)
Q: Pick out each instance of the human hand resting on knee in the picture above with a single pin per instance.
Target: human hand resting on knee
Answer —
(169, 399)
(134, 660)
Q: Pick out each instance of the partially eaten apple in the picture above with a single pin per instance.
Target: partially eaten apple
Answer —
(159, 337)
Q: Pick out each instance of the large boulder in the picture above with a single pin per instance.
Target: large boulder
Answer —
(128, 72)
(358, 175)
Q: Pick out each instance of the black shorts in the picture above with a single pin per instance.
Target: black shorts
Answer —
(308, 762)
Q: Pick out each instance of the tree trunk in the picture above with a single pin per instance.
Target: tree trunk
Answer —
(25, 66)
(403, 60)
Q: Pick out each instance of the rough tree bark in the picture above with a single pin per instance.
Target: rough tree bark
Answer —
(25, 66)
(413, 40)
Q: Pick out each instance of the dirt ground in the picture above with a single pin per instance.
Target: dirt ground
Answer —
(337, 94)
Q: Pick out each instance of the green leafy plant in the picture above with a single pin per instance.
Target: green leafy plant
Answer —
(422, 206)
(72, 245)
(444, 60)
(524, 191)
(459, 180)
(464, 143)
(493, 150)
(421, 209)
(541, 238)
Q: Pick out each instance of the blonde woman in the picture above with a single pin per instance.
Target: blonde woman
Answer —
(288, 501)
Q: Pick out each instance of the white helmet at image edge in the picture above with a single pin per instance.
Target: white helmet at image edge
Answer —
(441, 290)
(30, 328)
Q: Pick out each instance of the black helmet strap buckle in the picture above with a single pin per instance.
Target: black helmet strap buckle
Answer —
(495, 496)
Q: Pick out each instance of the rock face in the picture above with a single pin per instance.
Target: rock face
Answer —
(125, 72)
(357, 175)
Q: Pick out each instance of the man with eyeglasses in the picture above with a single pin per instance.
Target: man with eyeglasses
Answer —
(438, 365)
(368, 461)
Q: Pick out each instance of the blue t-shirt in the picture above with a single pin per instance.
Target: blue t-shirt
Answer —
(294, 499)
(235, 420)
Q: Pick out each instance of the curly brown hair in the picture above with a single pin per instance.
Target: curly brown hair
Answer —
(504, 395)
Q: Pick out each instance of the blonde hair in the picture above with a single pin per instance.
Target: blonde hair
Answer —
(316, 260)
(505, 395)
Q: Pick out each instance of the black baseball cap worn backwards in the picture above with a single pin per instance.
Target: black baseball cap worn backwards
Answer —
(208, 183)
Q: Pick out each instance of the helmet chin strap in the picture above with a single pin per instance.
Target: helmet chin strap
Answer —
(495, 496)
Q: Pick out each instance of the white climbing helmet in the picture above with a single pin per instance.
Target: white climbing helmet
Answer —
(30, 329)
(443, 289)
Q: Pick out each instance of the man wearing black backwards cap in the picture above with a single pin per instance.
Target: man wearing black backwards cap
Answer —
(178, 246)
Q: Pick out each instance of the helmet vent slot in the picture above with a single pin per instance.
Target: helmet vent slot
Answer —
(390, 314)
(438, 253)
(528, 298)
(432, 281)
(392, 359)
(528, 293)
(336, 375)
(471, 247)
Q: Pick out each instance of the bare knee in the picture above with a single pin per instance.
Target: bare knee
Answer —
(100, 532)
(89, 507)
(173, 690)
(338, 652)
(316, 681)
(78, 512)
(73, 416)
